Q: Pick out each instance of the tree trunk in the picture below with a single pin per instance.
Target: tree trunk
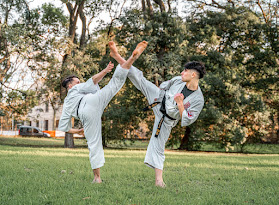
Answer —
(161, 4)
(74, 12)
(82, 37)
(69, 140)
(150, 8)
(53, 119)
(169, 4)
(143, 5)
(185, 140)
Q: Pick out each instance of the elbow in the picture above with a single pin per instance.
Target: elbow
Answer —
(185, 123)
(63, 129)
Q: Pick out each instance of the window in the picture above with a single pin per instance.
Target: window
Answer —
(46, 124)
(30, 123)
(46, 106)
(29, 130)
(35, 131)
(57, 123)
(37, 123)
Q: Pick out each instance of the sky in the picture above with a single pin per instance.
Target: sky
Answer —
(104, 16)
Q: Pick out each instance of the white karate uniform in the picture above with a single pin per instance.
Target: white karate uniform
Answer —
(193, 105)
(90, 111)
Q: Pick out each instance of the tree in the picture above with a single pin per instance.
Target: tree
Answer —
(18, 43)
(233, 47)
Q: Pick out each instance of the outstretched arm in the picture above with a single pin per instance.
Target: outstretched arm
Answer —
(99, 76)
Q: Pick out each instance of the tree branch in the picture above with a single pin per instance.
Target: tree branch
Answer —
(264, 15)
(2, 59)
(169, 5)
(13, 89)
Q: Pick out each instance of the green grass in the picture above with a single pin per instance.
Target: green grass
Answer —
(248, 148)
(37, 142)
(59, 142)
(32, 175)
(128, 144)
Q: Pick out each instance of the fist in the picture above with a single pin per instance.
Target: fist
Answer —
(109, 67)
(178, 98)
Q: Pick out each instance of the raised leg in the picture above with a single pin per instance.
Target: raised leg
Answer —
(114, 53)
(136, 54)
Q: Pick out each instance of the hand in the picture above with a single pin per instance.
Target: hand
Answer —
(80, 131)
(109, 67)
(178, 98)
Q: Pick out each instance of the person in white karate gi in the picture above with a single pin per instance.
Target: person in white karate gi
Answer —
(178, 98)
(86, 101)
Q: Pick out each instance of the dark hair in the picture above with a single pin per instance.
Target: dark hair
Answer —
(198, 66)
(68, 80)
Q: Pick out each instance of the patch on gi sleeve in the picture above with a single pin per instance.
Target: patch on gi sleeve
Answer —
(187, 105)
(190, 115)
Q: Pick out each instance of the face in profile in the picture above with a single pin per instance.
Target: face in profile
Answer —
(187, 75)
(74, 82)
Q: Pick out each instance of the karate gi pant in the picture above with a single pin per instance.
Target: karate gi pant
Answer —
(90, 112)
(155, 156)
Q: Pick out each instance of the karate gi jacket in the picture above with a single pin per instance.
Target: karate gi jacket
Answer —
(193, 104)
(71, 102)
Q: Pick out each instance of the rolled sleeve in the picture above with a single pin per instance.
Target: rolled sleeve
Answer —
(190, 115)
(65, 123)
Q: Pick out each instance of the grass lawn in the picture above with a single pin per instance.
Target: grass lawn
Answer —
(45, 175)
(136, 145)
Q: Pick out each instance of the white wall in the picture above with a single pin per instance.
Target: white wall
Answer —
(40, 114)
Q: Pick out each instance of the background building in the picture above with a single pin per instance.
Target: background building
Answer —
(44, 117)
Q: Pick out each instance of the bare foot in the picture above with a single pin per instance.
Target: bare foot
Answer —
(113, 50)
(96, 181)
(160, 184)
(139, 49)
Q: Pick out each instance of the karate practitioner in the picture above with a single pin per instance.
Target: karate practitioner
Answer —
(86, 101)
(178, 98)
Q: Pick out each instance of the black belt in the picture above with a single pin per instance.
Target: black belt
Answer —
(163, 110)
(78, 106)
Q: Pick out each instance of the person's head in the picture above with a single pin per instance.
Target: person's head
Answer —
(70, 81)
(193, 70)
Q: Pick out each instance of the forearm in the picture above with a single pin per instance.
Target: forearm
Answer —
(99, 76)
(73, 131)
(181, 108)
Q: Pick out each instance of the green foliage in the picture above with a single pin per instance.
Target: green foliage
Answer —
(242, 69)
(53, 15)
(233, 47)
(17, 43)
